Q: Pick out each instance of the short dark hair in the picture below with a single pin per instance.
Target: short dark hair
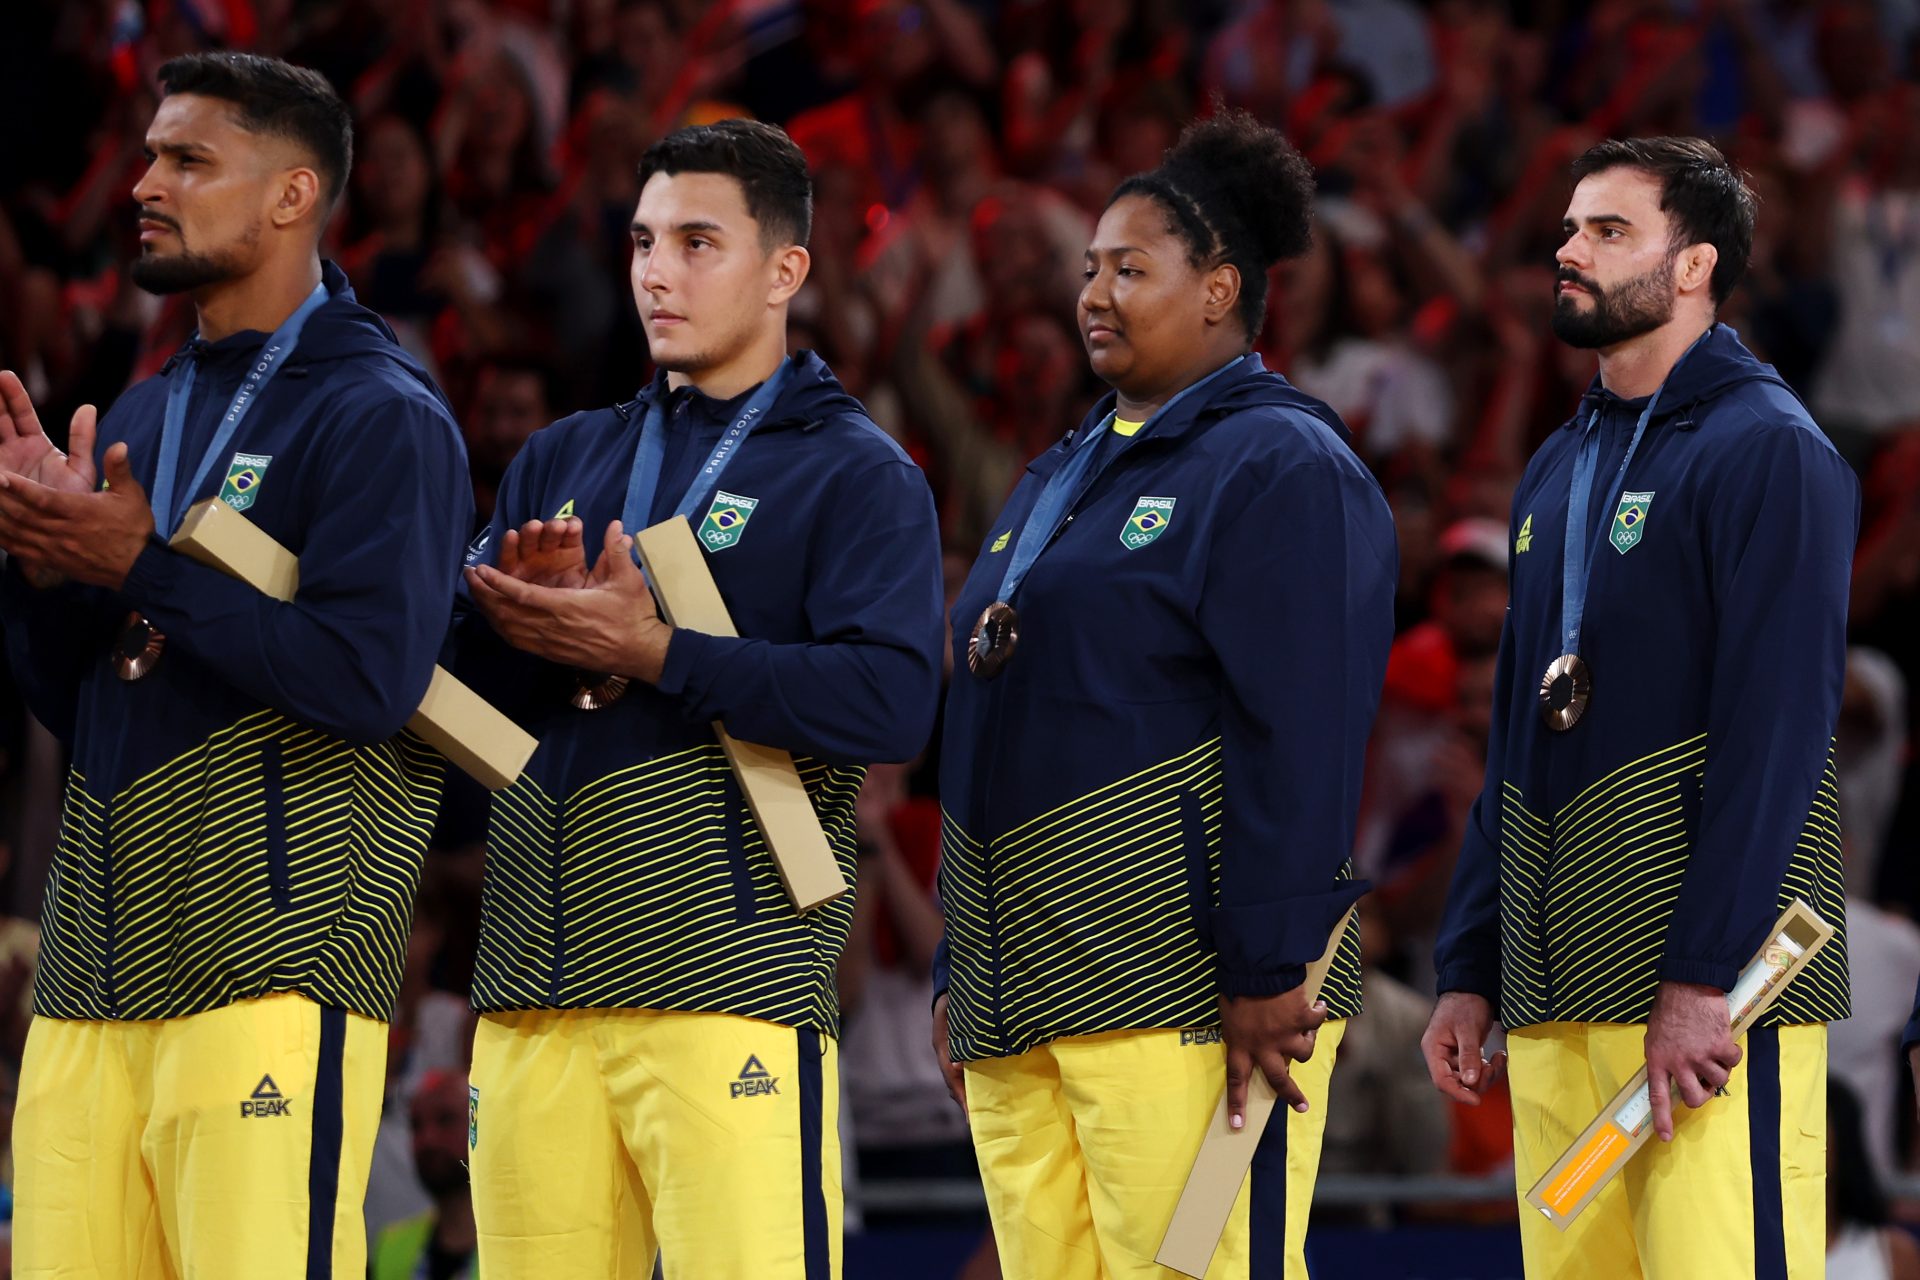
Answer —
(1235, 191)
(275, 98)
(769, 166)
(1700, 189)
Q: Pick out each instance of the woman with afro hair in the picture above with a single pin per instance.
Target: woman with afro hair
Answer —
(1168, 657)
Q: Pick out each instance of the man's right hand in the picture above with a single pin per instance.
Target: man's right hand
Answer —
(1455, 1039)
(546, 553)
(956, 1075)
(26, 451)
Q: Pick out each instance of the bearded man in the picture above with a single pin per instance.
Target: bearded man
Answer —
(1659, 780)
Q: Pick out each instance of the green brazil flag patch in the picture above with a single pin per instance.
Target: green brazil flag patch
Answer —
(244, 475)
(1630, 521)
(726, 520)
(1149, 520)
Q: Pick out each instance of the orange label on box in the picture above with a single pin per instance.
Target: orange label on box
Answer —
(1586, 1168)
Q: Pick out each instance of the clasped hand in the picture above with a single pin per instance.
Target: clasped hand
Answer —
(54, 518)
(542, 599)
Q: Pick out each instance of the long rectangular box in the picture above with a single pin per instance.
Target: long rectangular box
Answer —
(1625, 1123)
(689, 598)
(1220, 1170)
(458, 722)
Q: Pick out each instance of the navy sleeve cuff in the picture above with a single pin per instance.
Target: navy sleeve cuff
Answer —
(1278, 982)
(1704, 973)
(155, 576)
(1472, 977)
(1912, 1036)
(684, 651)
(942, 971)
(1264, 948)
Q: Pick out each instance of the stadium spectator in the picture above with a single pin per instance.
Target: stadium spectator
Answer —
(960, 151)
(437, 1244)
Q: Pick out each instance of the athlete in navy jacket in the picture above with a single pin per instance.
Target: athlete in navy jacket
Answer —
(1153, 747)
(1659, 777)
(244, 823)
(656, 1046)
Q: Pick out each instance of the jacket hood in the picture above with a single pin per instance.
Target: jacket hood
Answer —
(813, 395)
(1720, 363)
(342, 329)
(1246, 384)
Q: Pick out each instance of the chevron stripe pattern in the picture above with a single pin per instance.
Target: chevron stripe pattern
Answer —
(1586, 898)
(1092, 917)
(269, 858)
(652, 888)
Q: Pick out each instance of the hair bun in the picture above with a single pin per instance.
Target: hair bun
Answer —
(1249, 182)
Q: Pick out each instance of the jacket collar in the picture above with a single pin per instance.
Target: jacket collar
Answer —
(1175, 422)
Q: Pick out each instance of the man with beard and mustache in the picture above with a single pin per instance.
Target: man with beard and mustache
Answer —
(1659, 781)
(438, 1244)
(245, 821)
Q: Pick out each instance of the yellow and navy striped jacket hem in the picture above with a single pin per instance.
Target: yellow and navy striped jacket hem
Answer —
(652, 888)
(271, 857)
(1587, 895)
(1092, 917)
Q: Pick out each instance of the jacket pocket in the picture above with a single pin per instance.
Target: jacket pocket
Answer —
(273, 790)
(1690, 786)
(1193, 847)
(737, 824)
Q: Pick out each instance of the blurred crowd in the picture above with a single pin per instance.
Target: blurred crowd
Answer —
(961, 151)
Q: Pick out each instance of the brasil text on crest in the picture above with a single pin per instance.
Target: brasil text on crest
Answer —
(1149, 520)
(726, 520)
(244, 475)
(1630, 521)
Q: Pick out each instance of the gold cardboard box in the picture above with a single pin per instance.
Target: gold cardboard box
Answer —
(677, 568)
(453, 718)
(1219, 1171)
(1623, 1125)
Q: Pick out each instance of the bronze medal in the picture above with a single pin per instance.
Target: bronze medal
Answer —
(138, 648)
(1565, 691)
(995, 637)
(593, 692)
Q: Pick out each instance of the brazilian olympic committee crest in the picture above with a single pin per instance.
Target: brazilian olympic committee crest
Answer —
(1630, 521)
(726, 520)
(244, 475)
(1149, 520)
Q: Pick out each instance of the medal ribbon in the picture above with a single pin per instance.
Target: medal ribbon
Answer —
(1575, 567)
(1070, 483)
(169, 506)
(650, 454)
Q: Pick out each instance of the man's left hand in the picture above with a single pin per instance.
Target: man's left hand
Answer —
(609, 626)
(1690, 1044)
(88, 537)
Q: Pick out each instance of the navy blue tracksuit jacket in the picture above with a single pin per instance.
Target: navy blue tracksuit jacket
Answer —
(1154, 804)
(1661, 836)
(249, 817)
(624, 869)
